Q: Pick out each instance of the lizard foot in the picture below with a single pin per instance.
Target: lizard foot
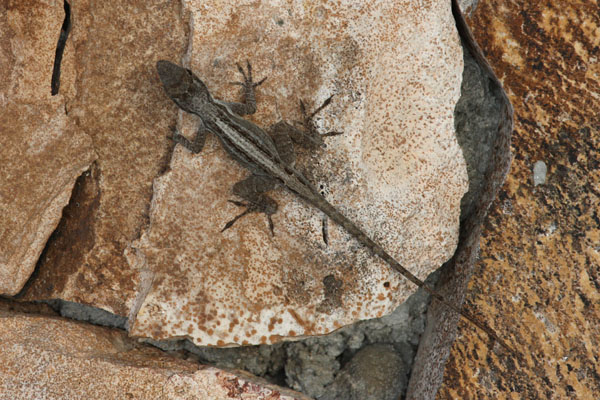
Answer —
(247, 83)
(310, 128)
(266, 207)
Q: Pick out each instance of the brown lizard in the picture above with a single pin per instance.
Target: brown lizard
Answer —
(269, 159)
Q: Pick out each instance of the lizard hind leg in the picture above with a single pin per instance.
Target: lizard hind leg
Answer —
(309, 135)
(252, 190)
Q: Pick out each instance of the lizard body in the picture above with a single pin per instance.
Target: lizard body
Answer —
(258, 152)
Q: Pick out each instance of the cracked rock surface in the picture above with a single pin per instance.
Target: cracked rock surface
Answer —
(49, 357)
(397, 171)
(136, 222)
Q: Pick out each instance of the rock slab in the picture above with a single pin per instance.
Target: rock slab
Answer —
(538, 274)
(52, 358)
(41, 152)
(397, 170)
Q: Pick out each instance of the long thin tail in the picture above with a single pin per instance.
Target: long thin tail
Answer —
(376, 249)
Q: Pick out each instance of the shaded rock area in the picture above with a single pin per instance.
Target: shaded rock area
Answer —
(112, 94)
(538, 272)
(484, 123)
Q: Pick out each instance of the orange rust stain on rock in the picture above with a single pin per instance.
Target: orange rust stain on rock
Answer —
(233, 323)
(544, 56)
(272, 322)
(220, 342)
(295, 315)
(263, 339)
(292, 333)
(275, 338)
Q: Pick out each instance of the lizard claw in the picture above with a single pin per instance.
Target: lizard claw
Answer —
(248, 82)
(322, 106)
(250, 208)
(233, 221)
(310, 127)
(239, 203)
(332, 133)
(271, 226)
(176, 137)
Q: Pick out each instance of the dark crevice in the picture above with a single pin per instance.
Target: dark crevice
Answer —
(83, 312)
(60, 48)
(71, 239)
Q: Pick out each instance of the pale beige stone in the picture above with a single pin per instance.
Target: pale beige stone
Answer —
(395, 68)
(41, 156)
(51, 358)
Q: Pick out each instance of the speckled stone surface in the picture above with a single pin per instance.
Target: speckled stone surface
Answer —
(55, 359)
(397, 171)
(113, 95)
(538, 280)
(484, 118)
(41, 151)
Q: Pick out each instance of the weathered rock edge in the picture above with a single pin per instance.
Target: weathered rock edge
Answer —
(441, 328)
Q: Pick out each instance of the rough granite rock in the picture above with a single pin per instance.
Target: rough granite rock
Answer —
(41, 151)
(114, 97)
(540, 252)
(311, 365)
(484, 122)
(51, 358)
(397, 170)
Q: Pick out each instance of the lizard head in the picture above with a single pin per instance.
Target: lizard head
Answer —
(183, 87)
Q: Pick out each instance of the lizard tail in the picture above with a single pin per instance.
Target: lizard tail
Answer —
(333, 213)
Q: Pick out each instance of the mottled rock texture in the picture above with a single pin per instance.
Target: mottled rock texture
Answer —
(114, 98)
(539, 275)
(52, 358)
(484, 123)
(42, 152)
(397, 170)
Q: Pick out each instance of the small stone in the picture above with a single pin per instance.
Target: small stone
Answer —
(376, 372)
(539, 173)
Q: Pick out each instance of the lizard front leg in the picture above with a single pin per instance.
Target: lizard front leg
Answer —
(195, 145)
(248, 105)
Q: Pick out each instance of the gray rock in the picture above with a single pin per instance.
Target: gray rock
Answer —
(376, 372)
